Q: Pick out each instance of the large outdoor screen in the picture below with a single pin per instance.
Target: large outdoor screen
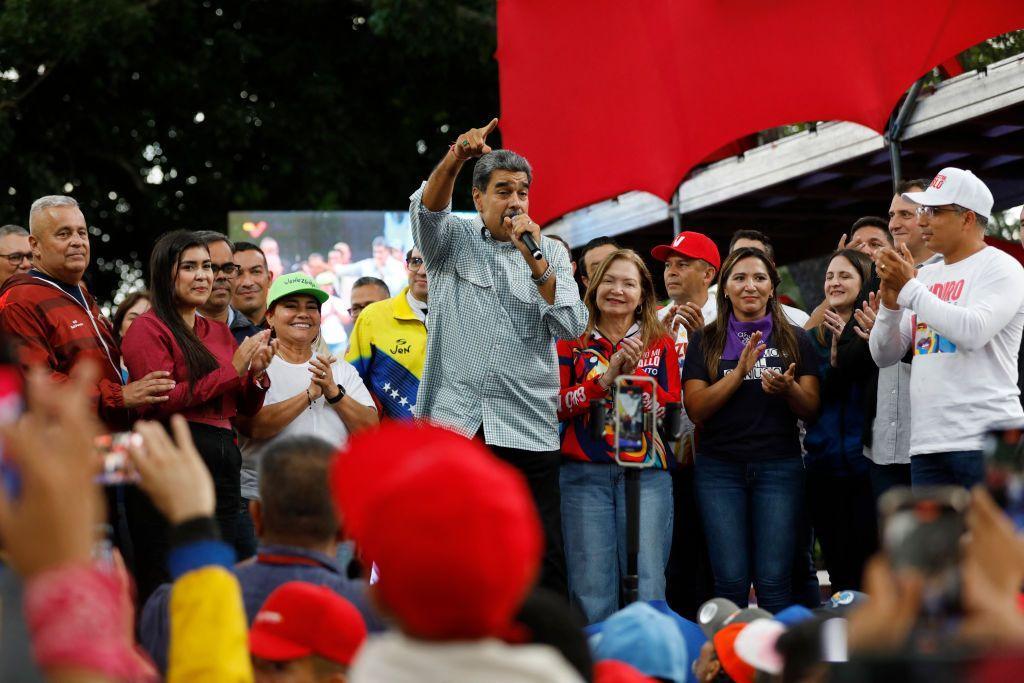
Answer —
(336, 247)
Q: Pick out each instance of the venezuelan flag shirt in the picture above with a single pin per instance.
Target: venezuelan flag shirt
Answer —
(387, 348)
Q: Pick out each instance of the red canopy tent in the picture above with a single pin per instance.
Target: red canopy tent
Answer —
(1014, 249)
(605, 96)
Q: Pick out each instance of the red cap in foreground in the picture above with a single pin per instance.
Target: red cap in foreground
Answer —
(452, 529)
(299, 619)
(613, 671)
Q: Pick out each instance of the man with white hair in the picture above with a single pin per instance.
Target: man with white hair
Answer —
(962, 320)
(55, 323)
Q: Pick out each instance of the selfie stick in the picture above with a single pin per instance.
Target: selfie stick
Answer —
(631, 579)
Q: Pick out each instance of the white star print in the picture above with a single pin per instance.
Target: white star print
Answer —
(386, 386)
(394, 394)
(404, 401)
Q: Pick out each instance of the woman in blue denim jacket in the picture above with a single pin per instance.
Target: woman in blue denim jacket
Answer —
(839, 497)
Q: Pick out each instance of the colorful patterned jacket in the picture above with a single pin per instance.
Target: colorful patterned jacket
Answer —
(581, 363)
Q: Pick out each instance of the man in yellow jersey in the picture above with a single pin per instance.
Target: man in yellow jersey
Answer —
(389, 342)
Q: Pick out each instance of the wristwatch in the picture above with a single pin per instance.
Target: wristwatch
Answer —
(543, 276)
(341, 395)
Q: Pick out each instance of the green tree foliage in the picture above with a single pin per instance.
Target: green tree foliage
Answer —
(158, 115)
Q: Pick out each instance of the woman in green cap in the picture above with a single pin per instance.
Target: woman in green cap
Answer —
(311, 392)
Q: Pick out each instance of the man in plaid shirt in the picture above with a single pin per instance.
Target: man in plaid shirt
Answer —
(495, 315)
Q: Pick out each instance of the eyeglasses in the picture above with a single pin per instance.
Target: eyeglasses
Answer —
(16, 257)
(229, 269)
(414, 263)
(930, 211)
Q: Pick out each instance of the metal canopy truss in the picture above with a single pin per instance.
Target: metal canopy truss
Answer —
(806, 189)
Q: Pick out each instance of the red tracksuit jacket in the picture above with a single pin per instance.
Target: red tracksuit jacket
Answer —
(51, 329)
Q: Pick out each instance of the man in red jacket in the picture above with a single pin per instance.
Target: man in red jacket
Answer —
(55, 323)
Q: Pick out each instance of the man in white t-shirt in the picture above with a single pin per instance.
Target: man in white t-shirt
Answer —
(691, 263)
(962, 319)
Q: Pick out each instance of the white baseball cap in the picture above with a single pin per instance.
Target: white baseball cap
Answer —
(755, 645)
(955, 186)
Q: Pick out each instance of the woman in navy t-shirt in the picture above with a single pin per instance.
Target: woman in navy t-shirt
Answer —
(749, 376)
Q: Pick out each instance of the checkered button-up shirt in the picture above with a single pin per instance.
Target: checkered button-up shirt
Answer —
(491, 357)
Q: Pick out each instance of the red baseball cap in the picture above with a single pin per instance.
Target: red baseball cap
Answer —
(614, 671)
(299, 619)
(691, 245)
(453, 530)
(725, 649)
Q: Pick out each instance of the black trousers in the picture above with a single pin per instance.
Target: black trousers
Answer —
(689, 582)
(842, 510)
(541, 469)
(148, 527)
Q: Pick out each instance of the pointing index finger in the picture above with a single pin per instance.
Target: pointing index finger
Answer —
(490, 127)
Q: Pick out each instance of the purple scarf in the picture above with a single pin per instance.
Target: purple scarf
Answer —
(739, 333)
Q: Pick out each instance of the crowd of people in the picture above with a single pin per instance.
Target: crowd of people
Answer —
(444, 495)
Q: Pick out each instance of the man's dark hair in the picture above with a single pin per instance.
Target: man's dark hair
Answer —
(549, 620)
(565, 244)
(249, 246)
(212, 237)
(369, 280)
(757, 235)
(562, 241)
(982, 221)
(908, 185)
(593, 244)
(499, 160)
(871, 222)
(294, 493)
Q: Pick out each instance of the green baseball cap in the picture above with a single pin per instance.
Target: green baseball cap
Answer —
(292, 284)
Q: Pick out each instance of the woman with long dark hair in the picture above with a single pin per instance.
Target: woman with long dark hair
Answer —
(215, 377)
(749, 376)
(840, 501)
(623, 337)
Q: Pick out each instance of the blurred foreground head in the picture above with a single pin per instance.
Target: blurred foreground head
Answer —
(452, 530)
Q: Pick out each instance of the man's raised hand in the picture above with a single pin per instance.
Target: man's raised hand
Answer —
(689, 316)
(152, 388)
(517, 226)
(865, 316)
(473, 143)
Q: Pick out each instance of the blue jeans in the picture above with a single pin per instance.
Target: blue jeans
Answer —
(885, 477)
(753, 515)
(594, 531)
(963, 468)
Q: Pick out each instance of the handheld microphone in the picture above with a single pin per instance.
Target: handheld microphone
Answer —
(528, 240)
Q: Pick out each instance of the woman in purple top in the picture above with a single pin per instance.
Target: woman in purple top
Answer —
(749, 376)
